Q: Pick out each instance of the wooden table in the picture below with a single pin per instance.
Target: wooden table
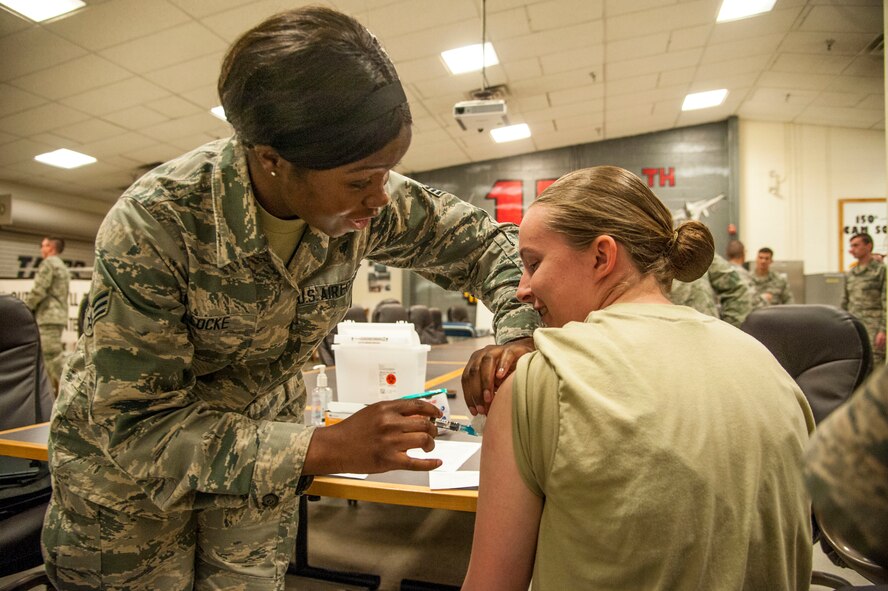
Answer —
(400, 487)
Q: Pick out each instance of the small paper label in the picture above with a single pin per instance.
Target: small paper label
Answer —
(388, 382)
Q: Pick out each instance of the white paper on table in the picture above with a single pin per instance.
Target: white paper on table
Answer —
(461, 479)
(453, 453)
(350, 475)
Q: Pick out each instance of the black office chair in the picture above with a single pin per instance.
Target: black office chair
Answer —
(356, 314)
(434, 333)
(828, 353)
(26, 398)
(374, 316)
(390, 313)
(457, 314)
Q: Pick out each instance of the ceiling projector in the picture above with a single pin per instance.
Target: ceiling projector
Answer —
(480, 114)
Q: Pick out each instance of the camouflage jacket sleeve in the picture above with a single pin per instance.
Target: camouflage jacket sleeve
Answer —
(847, 469)
(184, 449)
(42, 281)
(882, 295)
(787, 297)
(733, 294)
(457, 246)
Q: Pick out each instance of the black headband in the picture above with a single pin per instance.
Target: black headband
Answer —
(379, 102)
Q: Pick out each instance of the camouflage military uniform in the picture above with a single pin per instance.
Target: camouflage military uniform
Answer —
(865, 298)
(775, 284)
(48, 299)
(181, 413)
(847, 468)
(720, 287)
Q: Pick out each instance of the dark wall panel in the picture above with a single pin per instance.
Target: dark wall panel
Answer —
(680, 165)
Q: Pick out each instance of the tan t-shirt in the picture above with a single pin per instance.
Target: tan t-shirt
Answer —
(668, 446)
(283, 235)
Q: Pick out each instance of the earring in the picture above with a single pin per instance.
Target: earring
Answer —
(273, 173)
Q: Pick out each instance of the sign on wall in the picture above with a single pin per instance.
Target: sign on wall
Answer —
(858, 216)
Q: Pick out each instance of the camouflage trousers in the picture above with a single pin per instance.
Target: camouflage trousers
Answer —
(53, 352)
(89, 546)
(872, 329)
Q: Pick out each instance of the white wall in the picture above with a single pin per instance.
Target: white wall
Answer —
(818, 166)
(41, 211)
(361, 294)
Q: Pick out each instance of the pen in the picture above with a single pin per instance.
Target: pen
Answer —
(426, 394)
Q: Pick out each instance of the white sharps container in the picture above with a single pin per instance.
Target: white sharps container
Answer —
(381, 361)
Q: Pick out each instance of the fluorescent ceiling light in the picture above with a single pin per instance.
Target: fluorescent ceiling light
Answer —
(219, 112)
(704, 100)
(65, 158)
(41, 10)
(468, 58)
(510, 133)
(733, 10)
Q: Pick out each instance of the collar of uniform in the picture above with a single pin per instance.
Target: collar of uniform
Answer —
(234, 207)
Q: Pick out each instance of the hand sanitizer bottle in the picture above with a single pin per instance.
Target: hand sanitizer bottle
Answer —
(320, 396)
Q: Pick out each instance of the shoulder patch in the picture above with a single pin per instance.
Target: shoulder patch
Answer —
(100, 306)
(433, 191)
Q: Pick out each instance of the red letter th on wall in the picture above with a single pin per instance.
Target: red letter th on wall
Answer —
(508, 197)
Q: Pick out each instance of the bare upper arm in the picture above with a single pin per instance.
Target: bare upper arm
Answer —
(508, 519)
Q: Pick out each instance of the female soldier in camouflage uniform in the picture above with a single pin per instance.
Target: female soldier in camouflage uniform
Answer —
(177, 445)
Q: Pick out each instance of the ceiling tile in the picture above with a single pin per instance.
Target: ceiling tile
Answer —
(523, 69)
(548, 42)
(838, 99)
(873, 101)
(135, 117)
(39, 119)
(839, 116)
(857, 84)
(230, 24)
(202, 8)
(738, 49)
(32, 50)
(617, 7)
(783, 96)
(658, 20)
(800, 81)
(667, 61)
(120, 144)
(190, 74)
(417, 15)
(866, 65)
(579, 94)
(174, 107)
(842, 43)
(841, 19)
(177, 128)
(103, 25)
(690, 37)
(165, 48)
(591, 57)
(633, 85)
(13, 100)
(10, 23)
(552, 83)
(158, 152)
(207, 96)
(72, 77)
(776, 21)
(813, 64)
(89, 131)
(637, 47)
(741, 65)
(424, 68)
(676, 77)
(114, 97)
(22, 150)
(531, 103)
(556, 14)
